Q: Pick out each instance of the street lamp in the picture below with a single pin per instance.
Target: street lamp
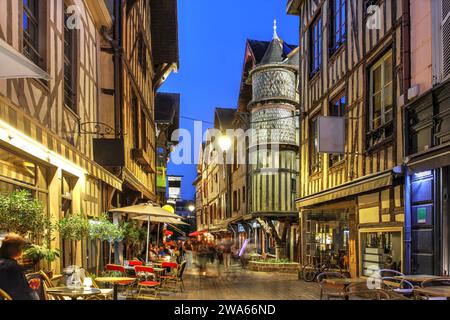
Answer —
(191, 208)
(224, 143)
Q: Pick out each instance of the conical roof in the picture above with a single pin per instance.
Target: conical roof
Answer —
(277, 51)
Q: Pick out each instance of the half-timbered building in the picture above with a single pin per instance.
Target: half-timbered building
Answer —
(354, 64)
(43, 148)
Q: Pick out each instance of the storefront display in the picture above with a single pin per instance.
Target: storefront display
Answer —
(327, 238)
(380, 249)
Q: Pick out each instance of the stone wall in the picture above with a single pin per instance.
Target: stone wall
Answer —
(274, 267)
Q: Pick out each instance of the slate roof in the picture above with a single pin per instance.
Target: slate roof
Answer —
(224, 118)
(167, 107)
(164, 29)
(260, 49)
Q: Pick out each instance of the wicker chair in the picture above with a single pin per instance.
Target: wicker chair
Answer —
(4, 296)
(176, 278)
(360, 291)
(331, 290)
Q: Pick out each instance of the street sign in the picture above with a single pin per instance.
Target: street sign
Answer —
(331, 134)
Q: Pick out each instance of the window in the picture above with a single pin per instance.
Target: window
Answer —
(243, 194)
(381, 101)
(143, 131)
(69, 65)
(381, 95)
(294, 185)
(338, 24)
(239, 200)
(235, 208)
(142, 53)
(337, 109)
(31, 30)
(135, 121)
(316, 45)
(315, 159)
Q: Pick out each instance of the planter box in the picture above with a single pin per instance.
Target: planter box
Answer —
(261, 266)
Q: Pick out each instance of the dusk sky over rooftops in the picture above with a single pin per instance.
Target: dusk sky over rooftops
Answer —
(212, 37)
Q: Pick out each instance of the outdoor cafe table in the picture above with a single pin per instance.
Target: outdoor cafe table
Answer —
(73, 294)
(115, 281)
(418, 278)
(438, 291)
(345, 282)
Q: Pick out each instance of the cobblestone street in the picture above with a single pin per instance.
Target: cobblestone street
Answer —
(239, 284)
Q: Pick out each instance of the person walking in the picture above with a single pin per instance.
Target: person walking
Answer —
(188, 253)
(227, 254)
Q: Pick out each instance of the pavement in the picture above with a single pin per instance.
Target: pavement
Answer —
(235, 283)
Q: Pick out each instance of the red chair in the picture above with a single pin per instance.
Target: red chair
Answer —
(115, 267)
(147, 285)
(121, 269)
(134, 263)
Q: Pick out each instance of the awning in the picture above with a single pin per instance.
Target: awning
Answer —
(15, 65)
(355, 187)
(177, 229)
(437, 157)
(197, 233)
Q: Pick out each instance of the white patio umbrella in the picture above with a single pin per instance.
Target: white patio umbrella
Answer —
(146, 210)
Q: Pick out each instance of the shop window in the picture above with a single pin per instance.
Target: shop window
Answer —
(326, 239)
(380, 250)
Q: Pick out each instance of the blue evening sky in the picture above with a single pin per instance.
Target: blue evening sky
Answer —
(212, 36)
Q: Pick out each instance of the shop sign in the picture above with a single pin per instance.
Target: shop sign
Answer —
(331, 135)
(161, 177)
(265, 225)
(422, 215)
(241, 228)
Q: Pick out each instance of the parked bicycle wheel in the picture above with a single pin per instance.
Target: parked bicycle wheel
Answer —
(309, 273)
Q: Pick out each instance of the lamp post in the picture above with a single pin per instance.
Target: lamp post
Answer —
(225, 145)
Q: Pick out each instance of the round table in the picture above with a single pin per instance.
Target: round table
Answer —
(73, 294)
(115, 282)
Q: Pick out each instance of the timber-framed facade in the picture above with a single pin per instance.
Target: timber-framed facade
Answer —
(353, 66)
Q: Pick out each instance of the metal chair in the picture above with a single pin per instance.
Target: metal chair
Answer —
(389, 273)
(177, 278)
(146, 285)
(331, 290)
(4, 296)
(399, 286)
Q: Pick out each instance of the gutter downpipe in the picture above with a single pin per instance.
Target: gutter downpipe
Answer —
(118, 98)
(406, 57)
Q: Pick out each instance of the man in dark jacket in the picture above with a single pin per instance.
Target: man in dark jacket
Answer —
(12, 275)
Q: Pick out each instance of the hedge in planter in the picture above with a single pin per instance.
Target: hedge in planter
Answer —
(21, 213)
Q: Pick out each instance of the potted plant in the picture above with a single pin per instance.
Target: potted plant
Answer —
(21, 213)
(104, 230)
(74, 227)
(37, 253)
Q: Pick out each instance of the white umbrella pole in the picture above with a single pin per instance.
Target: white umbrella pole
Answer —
(157, 238)
(148, 240)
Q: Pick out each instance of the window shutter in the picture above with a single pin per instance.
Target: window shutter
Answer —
(445, 39)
